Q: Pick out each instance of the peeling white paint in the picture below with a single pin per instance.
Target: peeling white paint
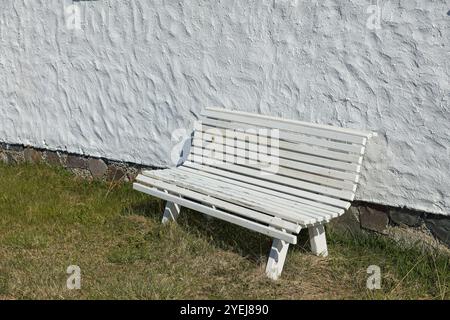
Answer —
(137, 70)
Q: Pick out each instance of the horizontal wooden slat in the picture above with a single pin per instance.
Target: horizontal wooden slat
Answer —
(224, 193)
(283, 188)
(229, 207)
(367, 134)
(233, 135)
(288, 136)
(189, 182)
(269, 231)
(265, 174)
(292, 204)
(283, 125)
(297, 213)
(246, 182)
(320, 174)
(295, 157)
(337, 174)
(283, 168)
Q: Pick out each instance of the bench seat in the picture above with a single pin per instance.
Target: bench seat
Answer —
(310, 180)
(299, 211)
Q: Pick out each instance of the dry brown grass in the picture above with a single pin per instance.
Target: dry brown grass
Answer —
(50, 220)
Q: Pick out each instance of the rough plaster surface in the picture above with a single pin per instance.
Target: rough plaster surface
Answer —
(137, 70)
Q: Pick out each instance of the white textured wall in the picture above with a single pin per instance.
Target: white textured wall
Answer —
(140, 69)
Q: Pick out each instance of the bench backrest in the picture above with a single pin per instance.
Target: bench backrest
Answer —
(319, 159)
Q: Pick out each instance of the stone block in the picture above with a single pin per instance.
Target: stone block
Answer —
(405, 217)
(97, 167)
(439, 227)
(32, 156)
(374, 218)
(115, 174)
(75, 161)
(348, 222)
(53, 158)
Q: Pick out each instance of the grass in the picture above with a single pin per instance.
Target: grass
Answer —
(50, 219)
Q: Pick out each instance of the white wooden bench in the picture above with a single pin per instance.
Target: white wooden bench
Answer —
(267, 174)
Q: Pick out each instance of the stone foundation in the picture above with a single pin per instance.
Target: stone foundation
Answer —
(399, 223)
(87, 167)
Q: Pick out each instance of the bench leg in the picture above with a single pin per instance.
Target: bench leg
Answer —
(171, 212)
(277, 256)
(318, 240)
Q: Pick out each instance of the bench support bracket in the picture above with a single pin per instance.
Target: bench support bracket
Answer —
(277, 256)
(171, 212)
(318, 240)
